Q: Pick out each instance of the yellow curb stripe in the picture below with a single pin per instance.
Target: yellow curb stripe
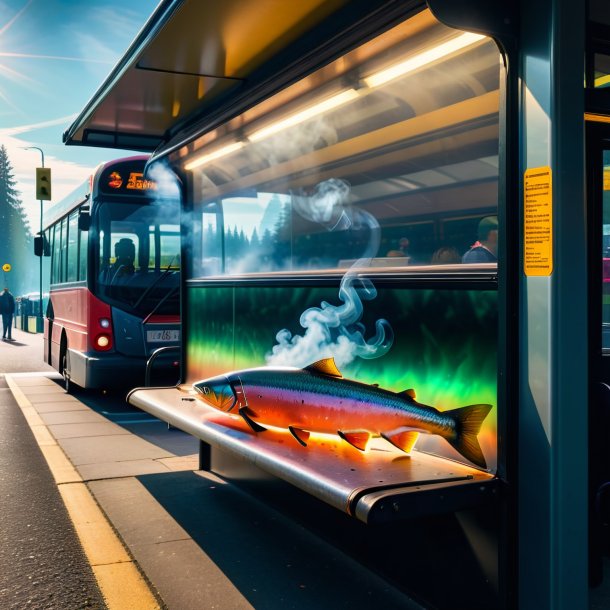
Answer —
(42, 435)
(99, 541)
(60, 466)
(124, 593)
(117, 576)
(32, 417)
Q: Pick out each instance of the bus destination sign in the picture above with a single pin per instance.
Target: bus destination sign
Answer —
(137, 182)
(134, 182)
(126, 178)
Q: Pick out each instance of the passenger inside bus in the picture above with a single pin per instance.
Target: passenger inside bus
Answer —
(122, 268)
(485, 249)
(401, 249)
(446, 255)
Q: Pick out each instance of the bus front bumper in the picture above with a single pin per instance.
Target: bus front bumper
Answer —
(112, 370)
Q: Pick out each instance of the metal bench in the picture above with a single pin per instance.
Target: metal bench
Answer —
(380, 485)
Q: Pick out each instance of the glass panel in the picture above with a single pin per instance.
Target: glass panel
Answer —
(56, 241)
(169, 240)
(599, 11)
(139, 254)
(606, 254)
(387, 158)
(72, 247)
(64, 251)
(82, 265)
(602, 70)
(209, 240)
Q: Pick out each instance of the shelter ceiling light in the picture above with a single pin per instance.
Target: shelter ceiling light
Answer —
(422, 59)
(220, 152)
(304, 115)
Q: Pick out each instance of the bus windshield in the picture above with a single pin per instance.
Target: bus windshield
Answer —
(138, 261)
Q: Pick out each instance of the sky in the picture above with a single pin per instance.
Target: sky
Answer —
(54, 55)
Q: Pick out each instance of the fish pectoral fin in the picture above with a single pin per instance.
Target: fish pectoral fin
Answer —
(302, 436)
(401, 438)
(356, 438)
(245, 413)
(325, 366)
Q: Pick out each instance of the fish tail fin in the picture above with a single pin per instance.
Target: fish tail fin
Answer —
(468, 422)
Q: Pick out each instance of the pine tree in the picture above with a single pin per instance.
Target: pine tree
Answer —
(16, 246)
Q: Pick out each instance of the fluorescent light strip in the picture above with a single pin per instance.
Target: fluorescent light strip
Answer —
(328, 104)
(221, 152)
(427, 57)
(379, 78)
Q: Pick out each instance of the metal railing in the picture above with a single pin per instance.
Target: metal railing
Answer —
(154, 356)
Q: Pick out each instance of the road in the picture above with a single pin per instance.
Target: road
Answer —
(42, 564)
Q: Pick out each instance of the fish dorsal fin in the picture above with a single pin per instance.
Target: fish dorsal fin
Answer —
(326, 366)
(410, 393)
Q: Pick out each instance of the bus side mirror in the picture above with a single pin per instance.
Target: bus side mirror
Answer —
(84, 221)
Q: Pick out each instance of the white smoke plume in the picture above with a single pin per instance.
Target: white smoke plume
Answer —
(336, 330)
(167, 182)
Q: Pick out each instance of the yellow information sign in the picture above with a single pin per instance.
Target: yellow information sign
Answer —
(538, 221)
(6, 267)
(606, 178)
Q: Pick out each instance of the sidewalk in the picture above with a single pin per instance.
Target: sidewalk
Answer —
(25, 354)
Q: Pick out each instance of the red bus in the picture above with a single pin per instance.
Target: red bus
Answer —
(114, 244)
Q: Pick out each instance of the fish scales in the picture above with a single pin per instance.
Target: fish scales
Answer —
(318, 399)
(281, 391)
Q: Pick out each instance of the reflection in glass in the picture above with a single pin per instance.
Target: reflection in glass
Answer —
(347, 168)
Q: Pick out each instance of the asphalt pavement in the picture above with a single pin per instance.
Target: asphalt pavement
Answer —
(42, 564)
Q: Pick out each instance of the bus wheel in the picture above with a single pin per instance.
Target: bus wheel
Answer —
(66, 372)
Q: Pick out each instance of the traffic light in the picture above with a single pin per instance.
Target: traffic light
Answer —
(43, 183)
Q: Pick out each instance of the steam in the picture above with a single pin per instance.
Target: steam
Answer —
(335, 330)
(167, 182)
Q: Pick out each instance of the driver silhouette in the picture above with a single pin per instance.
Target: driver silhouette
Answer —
(125, 254)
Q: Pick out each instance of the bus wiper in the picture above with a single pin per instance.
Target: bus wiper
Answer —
(158, 305)
(149, 288)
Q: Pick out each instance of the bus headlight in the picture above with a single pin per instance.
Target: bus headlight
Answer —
(104, 322)
(102, 341)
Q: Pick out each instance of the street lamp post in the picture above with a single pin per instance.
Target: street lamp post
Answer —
(39, 320)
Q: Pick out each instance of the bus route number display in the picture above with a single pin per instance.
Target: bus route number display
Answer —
(130, 181)
(137, 182)
(538, 222)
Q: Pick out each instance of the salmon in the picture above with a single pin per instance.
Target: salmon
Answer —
(318, 399)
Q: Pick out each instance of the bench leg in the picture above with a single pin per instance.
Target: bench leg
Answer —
(205, 456)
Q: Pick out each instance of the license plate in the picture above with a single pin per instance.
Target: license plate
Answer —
(160, 336)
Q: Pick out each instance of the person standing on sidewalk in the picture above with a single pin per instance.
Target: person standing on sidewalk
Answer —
(7, 309)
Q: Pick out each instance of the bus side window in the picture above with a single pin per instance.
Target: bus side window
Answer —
(72, 248)
(82, 255)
